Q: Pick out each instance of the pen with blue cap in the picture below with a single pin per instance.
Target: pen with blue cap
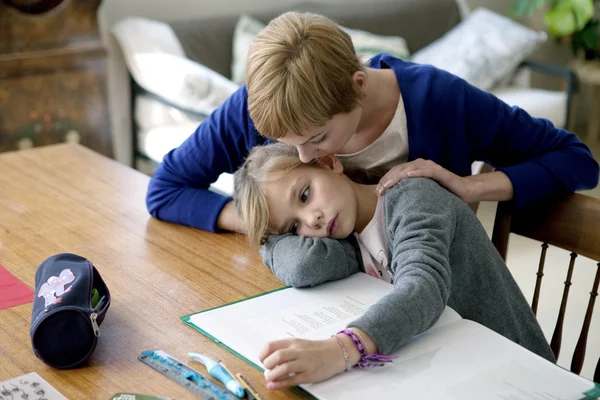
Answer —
(216, 369)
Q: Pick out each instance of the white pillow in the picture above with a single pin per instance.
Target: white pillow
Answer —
(366, 45)
(150, 113)
(155, 58)
(483, 49)
(246, 30)
(142, 35)
(181, 81)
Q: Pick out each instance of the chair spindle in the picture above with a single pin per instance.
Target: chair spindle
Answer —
(538, 282)
(579, 354)
(558, 329)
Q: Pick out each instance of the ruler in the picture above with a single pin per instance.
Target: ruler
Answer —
(181, 373)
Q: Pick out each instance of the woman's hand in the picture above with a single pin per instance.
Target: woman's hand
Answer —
(427, 169)
(292, 362)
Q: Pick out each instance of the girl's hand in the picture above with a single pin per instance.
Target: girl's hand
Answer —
(292, 362)
(426, 169)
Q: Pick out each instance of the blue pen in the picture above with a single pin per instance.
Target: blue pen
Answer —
(217, 370)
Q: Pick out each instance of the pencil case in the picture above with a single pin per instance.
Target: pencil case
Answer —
(70, 303)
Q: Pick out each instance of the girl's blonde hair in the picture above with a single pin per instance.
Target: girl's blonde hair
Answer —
(299, 74)
(264, 164)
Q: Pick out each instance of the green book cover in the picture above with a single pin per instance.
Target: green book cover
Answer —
(187, 320)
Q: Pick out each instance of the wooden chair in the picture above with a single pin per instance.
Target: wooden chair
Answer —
(572, 224)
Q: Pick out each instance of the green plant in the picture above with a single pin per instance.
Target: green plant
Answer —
(566, 19)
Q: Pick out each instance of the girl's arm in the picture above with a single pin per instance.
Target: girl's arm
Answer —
(421, 218)
(301, 261)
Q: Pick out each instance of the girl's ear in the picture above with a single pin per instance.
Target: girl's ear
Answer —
(331, 162)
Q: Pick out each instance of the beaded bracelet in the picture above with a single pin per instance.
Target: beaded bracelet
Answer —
(367, 360)
(348, 365)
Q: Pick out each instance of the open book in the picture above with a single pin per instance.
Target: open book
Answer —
(455, 359)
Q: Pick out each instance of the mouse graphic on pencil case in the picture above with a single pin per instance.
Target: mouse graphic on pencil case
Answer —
(55, 286)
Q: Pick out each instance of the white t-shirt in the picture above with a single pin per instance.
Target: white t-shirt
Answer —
(374, 245)
(390, 149)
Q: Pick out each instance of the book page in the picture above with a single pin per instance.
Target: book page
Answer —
(455, 359)
(459, 361)
(311, 313)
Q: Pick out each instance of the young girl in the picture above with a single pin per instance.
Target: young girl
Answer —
(418, 236)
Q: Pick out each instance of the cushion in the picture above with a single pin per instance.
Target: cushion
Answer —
(150, 48)
(188, 85)
(142, 35)
(157, 142)
(482, 49)
(539, 103)
(366, 45)
(246, 29)
(150, 113)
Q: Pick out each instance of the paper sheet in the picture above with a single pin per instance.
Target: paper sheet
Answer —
(455, 359)
(13, 292)
(31, 387)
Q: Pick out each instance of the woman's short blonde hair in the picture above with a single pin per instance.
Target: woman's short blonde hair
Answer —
(263, 165)
(299, 74)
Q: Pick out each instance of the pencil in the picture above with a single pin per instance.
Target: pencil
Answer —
(227, 370)
(248, 386)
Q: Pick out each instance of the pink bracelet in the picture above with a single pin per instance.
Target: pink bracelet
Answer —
(348, 365)
(367, 360)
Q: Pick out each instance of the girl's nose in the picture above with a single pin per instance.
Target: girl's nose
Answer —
(318, 220)
(315, 219)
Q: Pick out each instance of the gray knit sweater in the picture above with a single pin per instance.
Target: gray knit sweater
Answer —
(439, 255)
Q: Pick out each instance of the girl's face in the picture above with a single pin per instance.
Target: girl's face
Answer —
(312, 201)
(329, 138)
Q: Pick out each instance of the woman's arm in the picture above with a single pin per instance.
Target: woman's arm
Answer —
(534, 160)
(179, 193)
(540, 160)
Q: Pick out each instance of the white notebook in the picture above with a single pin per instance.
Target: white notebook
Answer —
(455, 359)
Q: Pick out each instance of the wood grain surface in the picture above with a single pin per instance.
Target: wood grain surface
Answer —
(66, 198)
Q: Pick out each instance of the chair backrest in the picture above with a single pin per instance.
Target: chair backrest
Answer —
(572, 224)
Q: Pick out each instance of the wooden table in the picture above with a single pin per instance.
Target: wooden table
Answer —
(65, 198)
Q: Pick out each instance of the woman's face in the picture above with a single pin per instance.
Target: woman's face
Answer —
(329, 138)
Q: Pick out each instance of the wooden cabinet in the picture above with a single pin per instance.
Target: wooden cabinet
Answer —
(53, 78)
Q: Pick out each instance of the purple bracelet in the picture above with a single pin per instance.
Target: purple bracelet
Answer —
(367, 360)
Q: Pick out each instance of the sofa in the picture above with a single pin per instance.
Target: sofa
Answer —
(209, 42)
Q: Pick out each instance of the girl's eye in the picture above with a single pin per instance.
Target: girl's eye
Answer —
(294, 228)
(304, 195)
(320, 140)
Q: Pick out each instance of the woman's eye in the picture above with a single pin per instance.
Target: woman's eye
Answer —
(320, 140)
(294, 228)
(304, 195)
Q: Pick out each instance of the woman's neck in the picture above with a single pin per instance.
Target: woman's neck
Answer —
(379, 104)
(366, 204)
(381, 99)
